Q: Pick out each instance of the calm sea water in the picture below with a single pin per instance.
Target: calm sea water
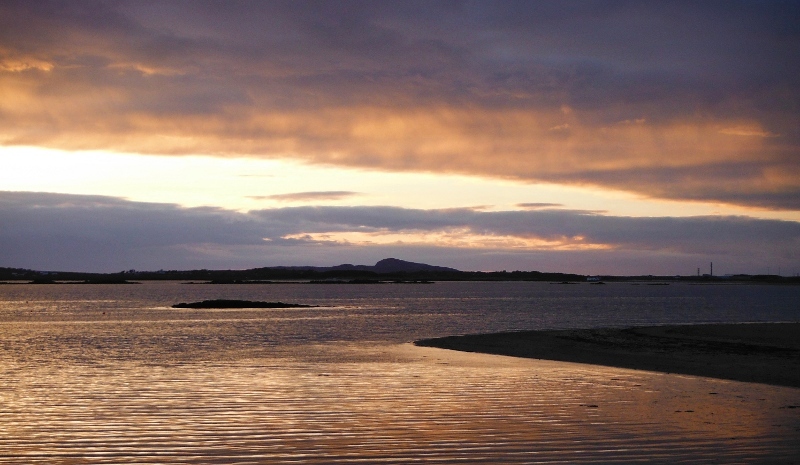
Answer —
(112, 374)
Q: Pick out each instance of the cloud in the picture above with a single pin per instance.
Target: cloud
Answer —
(307, 196)
(538, 205)
(597, 93)
(747, 132)
(95, 233)
(680, 235)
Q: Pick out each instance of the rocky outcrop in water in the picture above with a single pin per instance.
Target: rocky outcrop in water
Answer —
(225, 303)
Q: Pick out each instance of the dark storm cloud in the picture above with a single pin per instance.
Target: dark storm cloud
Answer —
(57, 231)
(598, 93)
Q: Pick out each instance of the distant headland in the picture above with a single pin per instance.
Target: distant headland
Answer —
(388, 270)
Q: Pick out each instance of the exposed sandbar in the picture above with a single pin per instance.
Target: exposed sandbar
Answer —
(766, 353)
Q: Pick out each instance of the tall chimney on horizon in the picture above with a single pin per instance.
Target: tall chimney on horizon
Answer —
(712, 269)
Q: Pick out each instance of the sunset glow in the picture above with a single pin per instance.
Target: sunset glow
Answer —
(462, 238)
(573, 123)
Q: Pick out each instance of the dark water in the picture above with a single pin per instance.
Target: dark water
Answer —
(112, 374)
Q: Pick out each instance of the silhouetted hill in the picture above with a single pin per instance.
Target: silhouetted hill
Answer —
(387, 265)
(394, 265)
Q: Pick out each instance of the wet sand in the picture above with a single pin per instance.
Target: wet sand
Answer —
(766, 353)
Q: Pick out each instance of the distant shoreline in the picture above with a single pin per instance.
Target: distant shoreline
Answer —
(386, 270)
(767, 353)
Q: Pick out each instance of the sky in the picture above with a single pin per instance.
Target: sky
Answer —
(607, 137)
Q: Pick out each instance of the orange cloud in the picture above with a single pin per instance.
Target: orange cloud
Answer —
(307, 196)
(505, 143)
(451, 238)
(378, 91)
(747, 130)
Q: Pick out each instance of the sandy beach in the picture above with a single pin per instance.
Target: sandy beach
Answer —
(766, 353)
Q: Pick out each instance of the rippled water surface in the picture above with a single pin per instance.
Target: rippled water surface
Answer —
(112, 374)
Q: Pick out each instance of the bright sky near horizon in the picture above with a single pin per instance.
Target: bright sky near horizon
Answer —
(587, 137)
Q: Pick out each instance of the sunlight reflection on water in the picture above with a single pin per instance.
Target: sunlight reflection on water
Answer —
(144, 383)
